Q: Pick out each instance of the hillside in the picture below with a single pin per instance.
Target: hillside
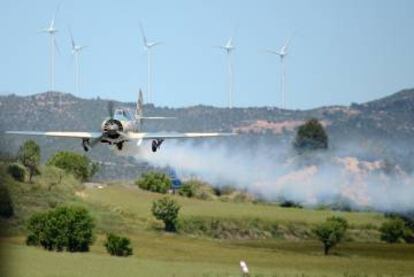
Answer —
(125, 209)
(378, 124)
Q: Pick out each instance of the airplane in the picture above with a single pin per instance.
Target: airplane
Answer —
(122, 127)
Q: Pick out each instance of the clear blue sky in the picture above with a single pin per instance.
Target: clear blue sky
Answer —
(341, 52)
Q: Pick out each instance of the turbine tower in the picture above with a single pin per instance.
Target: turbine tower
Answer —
(229, 47)
(148, 47)
(51, 30)
(282, 53)
(76, 49)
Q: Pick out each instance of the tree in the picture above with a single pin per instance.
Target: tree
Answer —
(166, 209)
(331, 232)
(394, 230)
(29, 155)
(6, 204)
(118, 246)
(154, 181)
(311, 136)
(64, 228)
(17, 171)
(78, 165)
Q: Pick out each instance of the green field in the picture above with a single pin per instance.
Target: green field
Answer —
(126, 210)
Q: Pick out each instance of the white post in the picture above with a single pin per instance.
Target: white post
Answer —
(244, 269)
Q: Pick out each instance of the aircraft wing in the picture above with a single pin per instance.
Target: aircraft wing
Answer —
(138, 136)
(82, 135)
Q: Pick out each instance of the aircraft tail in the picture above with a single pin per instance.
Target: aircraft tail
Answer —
(139, 112)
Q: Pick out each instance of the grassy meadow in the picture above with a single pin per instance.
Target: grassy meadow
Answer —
(125, 209)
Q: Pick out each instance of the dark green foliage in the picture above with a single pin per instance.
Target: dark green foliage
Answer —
(408, 219)
(188, 189)
(166, 209)
(6, 203)
(154, 181)
(394, 230)
(78, 165)
(17, 171)
(290, 204)
(118, 246)
(229, 228)
(311, 136)
(224, 190)
(63, 228)
(331, 232)
(29, 155)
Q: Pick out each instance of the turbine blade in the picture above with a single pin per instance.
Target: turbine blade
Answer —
(52, 23)
(270, 51)
(156, 43)
(72, 40)
(144, 39)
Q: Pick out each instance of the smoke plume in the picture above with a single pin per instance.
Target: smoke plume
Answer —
(277, 173)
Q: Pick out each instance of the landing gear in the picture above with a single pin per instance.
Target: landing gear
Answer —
(119, 145)
(156, 143)
(85, 144)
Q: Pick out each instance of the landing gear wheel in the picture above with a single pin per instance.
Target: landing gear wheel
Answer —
(119, 146)
(155, 145)
(85, 144)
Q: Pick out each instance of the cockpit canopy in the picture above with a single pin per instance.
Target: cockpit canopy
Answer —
(123, 115)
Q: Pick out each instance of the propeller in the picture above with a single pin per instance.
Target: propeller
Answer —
(111, 109)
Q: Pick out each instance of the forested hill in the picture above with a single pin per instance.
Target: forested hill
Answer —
(383, 120)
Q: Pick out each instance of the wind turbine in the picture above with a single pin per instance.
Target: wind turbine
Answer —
(229, 47)
(76, 49)
(282, 53)
(51, 30)
(148, 47)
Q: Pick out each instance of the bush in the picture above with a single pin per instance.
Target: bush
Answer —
(290, 204)
(6, 204)
(118, 246)
(224, 190)
(331, 232)
(188, 189)
(29, 155)
(311, 136)
(394, 230)
(166, 209)
(78, 165)
(155, 182)
(64, 228)
(17, 171)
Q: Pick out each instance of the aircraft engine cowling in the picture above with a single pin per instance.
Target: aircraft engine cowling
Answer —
(111, 127)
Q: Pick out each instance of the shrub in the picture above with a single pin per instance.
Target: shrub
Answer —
(188, 189)
(155, 182)
(394, 230)
(118, 246)
(311, 136)
(224, 190)
(166, 209)
(78, 165)
(29, 155)
(64, 228)
(290, 204)
(17, 171)
(6, 204)
(331, 232)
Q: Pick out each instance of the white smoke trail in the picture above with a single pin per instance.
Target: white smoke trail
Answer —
(274, 173)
